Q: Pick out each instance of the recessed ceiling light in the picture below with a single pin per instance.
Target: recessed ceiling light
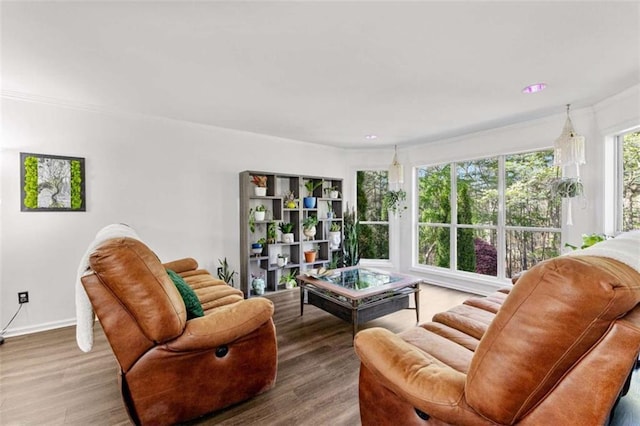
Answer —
(371, 137)
(534, 88)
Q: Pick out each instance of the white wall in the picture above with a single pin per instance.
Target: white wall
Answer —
(175, 183)
(596, 123)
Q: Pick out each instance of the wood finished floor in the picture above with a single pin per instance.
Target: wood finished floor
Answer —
(46, 380)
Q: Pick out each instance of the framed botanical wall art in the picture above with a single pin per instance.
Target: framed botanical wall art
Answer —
(51, 183)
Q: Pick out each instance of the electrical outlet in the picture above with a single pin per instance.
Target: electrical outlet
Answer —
(23, 297)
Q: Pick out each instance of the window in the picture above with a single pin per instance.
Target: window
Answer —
(373, 229)
(461, 226)
(630, 181)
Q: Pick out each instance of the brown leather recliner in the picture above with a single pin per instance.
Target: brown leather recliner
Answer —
(557, 352)
(171, 369)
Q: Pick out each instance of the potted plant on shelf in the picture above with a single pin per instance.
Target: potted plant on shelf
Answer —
(256, 248)
(282, 260)
(289, 279)
(310, 255)
(287, 232)
(260, 183)
(309, 226)
(290, 200)
(310, 200)
(271, 233)
(332, 192)
(335, 236)
(260, 212)
(330, 211)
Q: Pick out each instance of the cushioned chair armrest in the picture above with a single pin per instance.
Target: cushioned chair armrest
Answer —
(413, 375)
(223, 325)
(181, 265)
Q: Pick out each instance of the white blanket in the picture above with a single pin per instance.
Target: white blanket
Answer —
(624, 248)
(84, 311)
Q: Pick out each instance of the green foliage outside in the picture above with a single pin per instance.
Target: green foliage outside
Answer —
(31, 182)
(373, 238)
(76, 185)
(528, 203)
(631, 181)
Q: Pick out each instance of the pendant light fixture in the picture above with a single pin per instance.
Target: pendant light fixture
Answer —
(396, 171)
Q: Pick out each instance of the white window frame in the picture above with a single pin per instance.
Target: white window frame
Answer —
(501, 227)
(391, 224)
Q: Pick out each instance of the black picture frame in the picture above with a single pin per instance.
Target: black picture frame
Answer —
(52, 183)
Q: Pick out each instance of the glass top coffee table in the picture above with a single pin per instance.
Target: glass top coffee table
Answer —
(357, 295)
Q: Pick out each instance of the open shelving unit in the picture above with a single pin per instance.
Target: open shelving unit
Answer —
(265, 263)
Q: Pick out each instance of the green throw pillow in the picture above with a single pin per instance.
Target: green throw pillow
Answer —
(194, 308)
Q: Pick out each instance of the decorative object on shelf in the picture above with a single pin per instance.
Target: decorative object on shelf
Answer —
(289, 279)
(335, 236)
(282, 260)
(396, 171)
(287, 232)
(310, 255)
(260, 183)
(333, 192)
(51, 183)
(310, 200)
(290, 200)
(256, 248)
(568, 150)
(225, 273)
(260, 212)
(351, 255)
(271, 233)
(257, 284)
(309, 227)
(394, 201)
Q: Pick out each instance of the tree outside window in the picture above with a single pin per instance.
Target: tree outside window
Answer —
(460, 225)
(373, 228)
(630, 181)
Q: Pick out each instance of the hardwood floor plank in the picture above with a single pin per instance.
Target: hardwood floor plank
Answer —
(46, 380)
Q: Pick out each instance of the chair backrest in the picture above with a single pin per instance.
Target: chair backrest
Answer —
(135, 300)
(556, 313)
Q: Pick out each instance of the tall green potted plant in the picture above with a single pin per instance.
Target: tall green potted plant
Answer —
(310, 200)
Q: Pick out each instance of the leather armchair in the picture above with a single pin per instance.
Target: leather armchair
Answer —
(171, 369)
(557, 351)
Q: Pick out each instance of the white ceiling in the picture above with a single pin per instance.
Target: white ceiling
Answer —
(324, 72)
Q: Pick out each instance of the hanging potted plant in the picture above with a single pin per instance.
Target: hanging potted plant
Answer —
(309, 227)
(567, 187)
(260, 183)
(287, 232)
(394, 201)
(310, 199)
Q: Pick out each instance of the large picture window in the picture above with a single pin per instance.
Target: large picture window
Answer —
(373, 228)
(461, 226)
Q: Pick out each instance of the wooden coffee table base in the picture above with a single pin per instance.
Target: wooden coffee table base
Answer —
(359, 311)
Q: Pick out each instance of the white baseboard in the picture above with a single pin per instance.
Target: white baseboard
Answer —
(12, 332)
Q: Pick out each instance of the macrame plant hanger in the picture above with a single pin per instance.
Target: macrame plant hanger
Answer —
(568, 151)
